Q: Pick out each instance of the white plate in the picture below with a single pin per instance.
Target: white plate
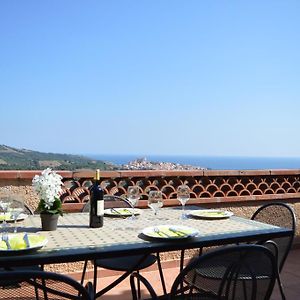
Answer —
(10, 219)
(18, 245)
(170, 232)
(121, 212)
(211, 214)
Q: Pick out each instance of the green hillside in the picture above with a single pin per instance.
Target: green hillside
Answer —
(23, 159)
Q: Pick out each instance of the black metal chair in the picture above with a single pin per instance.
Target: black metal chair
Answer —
(236, 272)
(27, 209)
(278, 214)
(124, 264)
(42, 285)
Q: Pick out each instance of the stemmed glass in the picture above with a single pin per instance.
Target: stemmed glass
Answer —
(5, 202)
(183, 195)
(155, 201)
(16, 208)
(133, 196)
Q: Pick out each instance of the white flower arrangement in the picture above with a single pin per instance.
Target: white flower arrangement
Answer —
(48, 186)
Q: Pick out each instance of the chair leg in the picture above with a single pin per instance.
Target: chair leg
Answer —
(138, 285)
(95, 278)
(83, 272)
(161, 274)
(181, 268)
(280, 287)
(200, 251)
(181, 260)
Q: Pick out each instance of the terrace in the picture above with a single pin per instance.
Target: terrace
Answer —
(241, 192)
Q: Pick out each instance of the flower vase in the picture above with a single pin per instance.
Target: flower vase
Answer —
(49, 221)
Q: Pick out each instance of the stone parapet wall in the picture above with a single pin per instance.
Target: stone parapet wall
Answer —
(207, 186)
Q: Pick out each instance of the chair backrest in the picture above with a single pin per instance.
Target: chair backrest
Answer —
(238, 272)
(110, 201)
(40, 285)
(278, 214)
(28, 210)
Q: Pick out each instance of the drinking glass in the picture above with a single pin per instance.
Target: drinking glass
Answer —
(5, 202)
(16, 208)
(155, 201)
(133, 196)
(183, 195)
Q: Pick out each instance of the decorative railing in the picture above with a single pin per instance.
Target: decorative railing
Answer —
(207, 186)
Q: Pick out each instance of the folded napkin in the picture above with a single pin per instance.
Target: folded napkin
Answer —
(7, 217)
(212, 214)
(170, 232)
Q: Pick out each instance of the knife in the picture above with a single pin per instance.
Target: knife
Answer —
(115, 211)
(26, 240)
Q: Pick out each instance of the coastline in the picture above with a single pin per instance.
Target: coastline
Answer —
(209, 162)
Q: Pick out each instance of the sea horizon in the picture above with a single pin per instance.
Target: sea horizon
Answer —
(209, 162)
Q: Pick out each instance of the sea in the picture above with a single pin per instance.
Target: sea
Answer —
(209, 162)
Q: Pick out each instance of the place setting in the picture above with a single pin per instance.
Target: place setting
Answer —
(170, 232)
(210, 214)
(183, 195)
(120, 212)
(13, 242)
(164, 228)
(21, 243)
(125, 207)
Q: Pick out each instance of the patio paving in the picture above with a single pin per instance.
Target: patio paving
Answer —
(290, 278)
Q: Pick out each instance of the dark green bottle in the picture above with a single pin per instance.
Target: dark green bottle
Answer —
(96, 203)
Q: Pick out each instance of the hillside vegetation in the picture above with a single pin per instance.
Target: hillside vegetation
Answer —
(23, 159)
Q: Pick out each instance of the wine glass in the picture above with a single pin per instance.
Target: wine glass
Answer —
(155, 201)
(16, 208)
(183, 195)
(5, 202)
(133, 196)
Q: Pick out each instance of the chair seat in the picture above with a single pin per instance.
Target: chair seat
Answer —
(125, 263)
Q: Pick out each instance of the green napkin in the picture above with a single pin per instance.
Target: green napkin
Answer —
(7, 217)
(212, 214)
(170, 232)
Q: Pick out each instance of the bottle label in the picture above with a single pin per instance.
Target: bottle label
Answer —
(100, 208)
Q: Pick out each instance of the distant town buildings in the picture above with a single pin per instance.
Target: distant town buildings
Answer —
(144, 164)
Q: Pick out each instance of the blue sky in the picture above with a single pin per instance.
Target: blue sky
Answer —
(151, 77)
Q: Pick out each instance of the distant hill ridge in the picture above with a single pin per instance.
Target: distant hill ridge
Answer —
(24, 159)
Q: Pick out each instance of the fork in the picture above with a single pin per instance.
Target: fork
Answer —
(118, 213)
(6, 240)
(26, 240)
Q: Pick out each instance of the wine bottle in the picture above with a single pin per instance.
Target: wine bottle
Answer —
(96, 203)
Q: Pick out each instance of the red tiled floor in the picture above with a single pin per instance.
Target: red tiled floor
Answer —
(290, 277)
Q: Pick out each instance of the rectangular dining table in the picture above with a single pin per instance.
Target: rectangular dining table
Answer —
(75, 241)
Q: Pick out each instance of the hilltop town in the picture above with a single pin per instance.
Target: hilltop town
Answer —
(144, 164)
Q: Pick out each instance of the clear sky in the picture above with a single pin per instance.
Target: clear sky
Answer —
(151, 77)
